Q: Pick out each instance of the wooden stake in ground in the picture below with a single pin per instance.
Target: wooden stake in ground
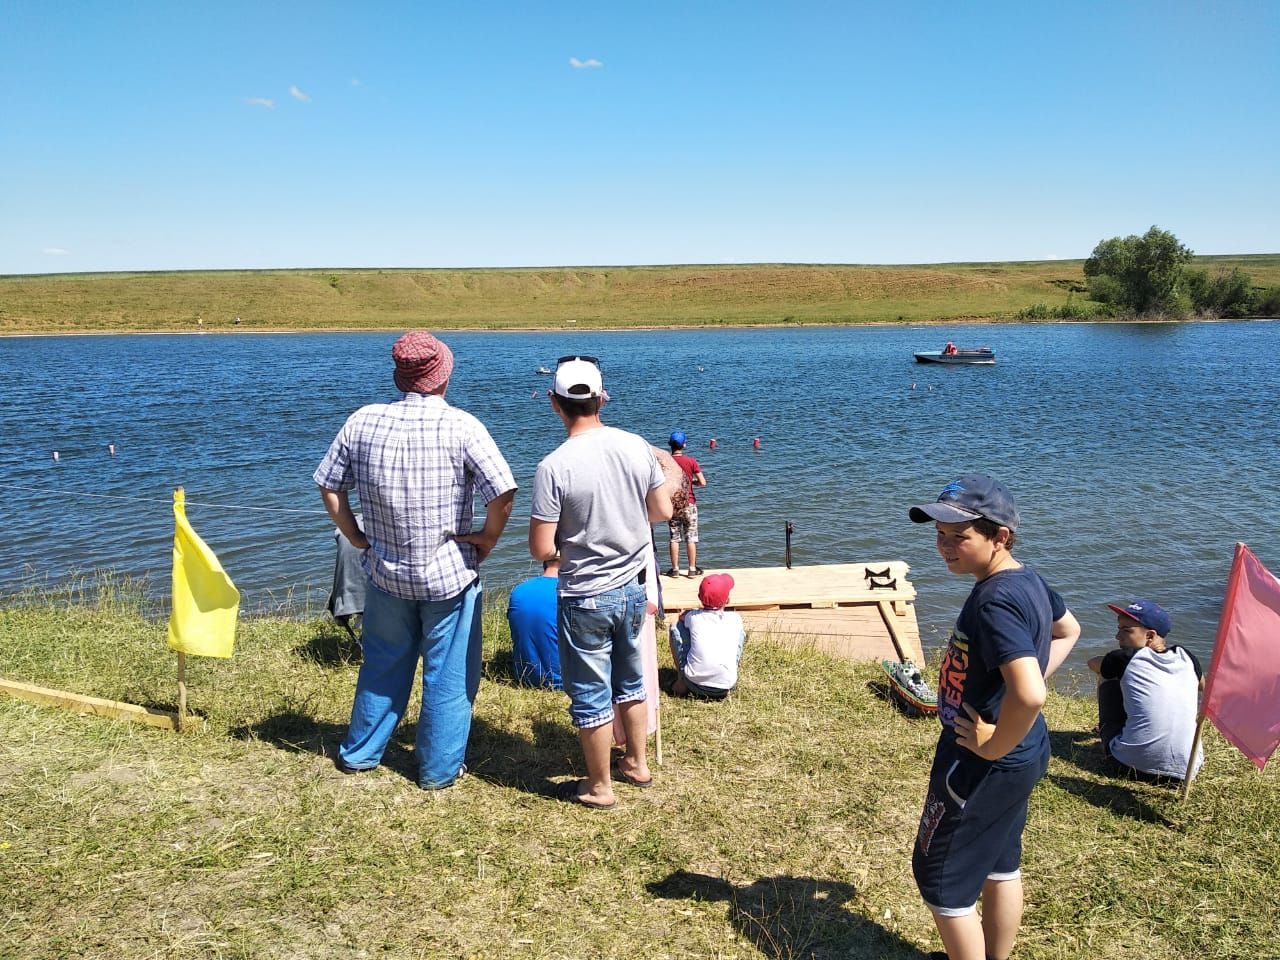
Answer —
(1191, 760)
(182, 689)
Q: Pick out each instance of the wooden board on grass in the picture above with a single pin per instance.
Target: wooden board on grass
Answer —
(79, 703)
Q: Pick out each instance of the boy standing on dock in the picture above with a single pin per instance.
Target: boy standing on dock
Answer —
(1013, 631)
(683, 525)
(594, 497)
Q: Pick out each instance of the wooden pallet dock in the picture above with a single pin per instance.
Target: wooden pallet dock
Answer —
(858, 611)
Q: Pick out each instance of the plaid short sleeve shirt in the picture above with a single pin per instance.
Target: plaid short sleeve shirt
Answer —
(416, 465)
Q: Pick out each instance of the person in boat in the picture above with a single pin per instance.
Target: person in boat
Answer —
(949, 349)
(1012, 632)
(1148, 694)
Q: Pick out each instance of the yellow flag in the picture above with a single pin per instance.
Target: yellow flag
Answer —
(205, 601)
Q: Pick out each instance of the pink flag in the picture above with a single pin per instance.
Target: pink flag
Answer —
(1242, 693)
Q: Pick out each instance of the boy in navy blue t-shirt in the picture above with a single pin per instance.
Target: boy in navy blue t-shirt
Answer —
(1012, 633)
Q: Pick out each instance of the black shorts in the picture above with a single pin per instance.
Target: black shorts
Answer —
(971, 828)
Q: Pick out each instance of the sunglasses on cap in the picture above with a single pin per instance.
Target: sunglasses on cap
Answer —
(578, 356)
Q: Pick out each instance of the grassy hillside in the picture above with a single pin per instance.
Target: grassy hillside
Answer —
(539, 298)
(780, 825)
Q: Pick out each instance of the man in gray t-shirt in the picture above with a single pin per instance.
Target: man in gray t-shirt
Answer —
(593, 500)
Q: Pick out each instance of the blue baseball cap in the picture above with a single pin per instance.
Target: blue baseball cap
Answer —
(973, 496)
(678, 438)
(1147, 614)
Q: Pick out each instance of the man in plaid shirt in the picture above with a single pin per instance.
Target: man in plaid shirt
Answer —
(416, 464)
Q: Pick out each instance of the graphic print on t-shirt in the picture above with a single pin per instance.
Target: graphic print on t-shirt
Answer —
(951, 677)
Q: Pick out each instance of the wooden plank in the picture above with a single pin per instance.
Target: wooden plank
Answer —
(822, 585)
(95, 706)
(852, 633)
(888, 615)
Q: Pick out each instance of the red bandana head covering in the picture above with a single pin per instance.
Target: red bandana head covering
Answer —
(423, 363)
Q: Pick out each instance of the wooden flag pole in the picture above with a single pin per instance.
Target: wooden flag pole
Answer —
(182, 690)
(1191, 760)
(182, 657)
(658, 612)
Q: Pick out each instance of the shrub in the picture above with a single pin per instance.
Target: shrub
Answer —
(1266, 302)
(1145, 273)
(1226, 295)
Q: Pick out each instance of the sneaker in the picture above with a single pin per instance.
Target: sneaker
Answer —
(673, 572)
(695, 572)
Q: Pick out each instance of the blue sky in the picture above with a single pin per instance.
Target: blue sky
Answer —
(155, 136)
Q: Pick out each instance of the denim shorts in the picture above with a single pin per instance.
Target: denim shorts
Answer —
(600, 661)
(971, 828)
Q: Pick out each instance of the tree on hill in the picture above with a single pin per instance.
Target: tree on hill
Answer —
(1143, 274)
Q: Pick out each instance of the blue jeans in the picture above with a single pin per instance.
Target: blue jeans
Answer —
(446, 635)
(600, 661)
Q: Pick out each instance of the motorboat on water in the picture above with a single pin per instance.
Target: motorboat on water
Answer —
(953, 354)
(542, 370)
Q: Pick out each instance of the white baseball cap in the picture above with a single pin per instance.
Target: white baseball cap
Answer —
(578, 378)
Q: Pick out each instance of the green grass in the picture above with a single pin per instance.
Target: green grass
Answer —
(780, 826)
(540, 298)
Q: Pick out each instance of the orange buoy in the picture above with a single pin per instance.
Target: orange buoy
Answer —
(756, 443)
(713, 443)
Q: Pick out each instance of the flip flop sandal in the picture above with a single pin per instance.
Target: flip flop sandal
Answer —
(568, 792)
(620, 774)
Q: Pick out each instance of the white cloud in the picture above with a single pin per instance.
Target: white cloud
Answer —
(592, 63)
(55, 251)
(260, 102)
(298, 94)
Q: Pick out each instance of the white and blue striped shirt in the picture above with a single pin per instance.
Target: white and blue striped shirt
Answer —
(415, 464)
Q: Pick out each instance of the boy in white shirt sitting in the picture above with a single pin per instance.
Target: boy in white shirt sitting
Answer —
(1147, 696)
(706, 644)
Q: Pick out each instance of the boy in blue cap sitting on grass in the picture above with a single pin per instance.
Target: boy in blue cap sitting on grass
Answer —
(1148, 695)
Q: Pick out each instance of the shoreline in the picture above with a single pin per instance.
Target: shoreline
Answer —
(647, 328)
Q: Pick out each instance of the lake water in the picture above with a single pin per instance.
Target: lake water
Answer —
(1139, 453)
